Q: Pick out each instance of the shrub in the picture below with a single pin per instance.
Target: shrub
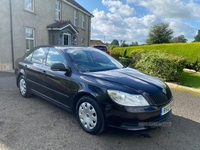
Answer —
(161, 65)
(195, 65)
(126, 61)
(190, 51)
(115, 54)
(136, 56)
(111, 47)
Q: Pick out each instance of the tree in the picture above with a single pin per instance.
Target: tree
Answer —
(159, 34)
(123, 43)
(134, 43)
(179, 39)
(197, 37)
(115, 42)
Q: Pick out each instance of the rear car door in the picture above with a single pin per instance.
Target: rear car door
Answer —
(34, 69)
(57, 83)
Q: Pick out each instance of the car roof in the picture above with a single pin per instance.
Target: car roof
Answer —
(60, 47)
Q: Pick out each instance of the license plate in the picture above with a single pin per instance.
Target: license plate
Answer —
(166, 109)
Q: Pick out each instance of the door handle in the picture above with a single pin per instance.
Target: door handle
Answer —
(44, 73)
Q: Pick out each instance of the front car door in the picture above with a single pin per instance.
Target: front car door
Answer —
(57, 83)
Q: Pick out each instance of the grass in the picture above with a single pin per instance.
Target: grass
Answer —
(190, 79)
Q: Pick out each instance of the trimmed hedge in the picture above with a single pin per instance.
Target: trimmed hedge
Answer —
(126, 61)
(161, 65)
(115, 54)
(190, 51)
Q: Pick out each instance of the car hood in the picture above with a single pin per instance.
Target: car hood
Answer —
(130, 78)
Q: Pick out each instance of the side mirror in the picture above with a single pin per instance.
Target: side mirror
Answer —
(60, 67)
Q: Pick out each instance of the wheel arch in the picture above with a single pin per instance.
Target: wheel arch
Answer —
(80, 95)
(102, 124)
(21, 72)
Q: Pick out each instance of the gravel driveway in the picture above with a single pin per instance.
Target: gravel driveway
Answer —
(35, 124)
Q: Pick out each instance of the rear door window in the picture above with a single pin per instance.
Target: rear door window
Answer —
(37, 56)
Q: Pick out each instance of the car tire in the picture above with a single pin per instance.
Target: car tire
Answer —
(90, 116)
(23, 87)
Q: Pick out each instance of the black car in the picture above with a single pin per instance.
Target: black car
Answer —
(99, 90)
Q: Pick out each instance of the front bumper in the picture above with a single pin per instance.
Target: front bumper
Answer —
(140, 118)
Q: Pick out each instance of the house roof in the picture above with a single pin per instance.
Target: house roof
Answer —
(96, 42)
(60, 25)
(74, 3)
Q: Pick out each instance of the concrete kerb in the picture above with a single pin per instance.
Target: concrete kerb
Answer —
(173, 85)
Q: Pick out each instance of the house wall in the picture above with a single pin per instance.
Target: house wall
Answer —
(68, 14)
(43, 15)
(5, 36)
(54, 38)
(83, 33)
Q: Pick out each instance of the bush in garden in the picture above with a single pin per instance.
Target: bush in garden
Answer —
(190, 51)
(126, 61)
(195, 65)
(115, 54)
(111, 47)
(161, 65)
(136, 56)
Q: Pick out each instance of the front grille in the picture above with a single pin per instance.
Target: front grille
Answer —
(160, 98)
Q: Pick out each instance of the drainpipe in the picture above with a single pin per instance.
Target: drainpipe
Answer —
(11, 32)
(89, 30)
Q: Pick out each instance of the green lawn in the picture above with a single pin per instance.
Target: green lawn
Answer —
(190, 79)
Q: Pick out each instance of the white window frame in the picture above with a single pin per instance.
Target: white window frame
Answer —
(57, 10)
(69, 38)
(83, 22)
(82, 41)
(75, 41)
(75, 18)
(29, 39)
(29, 5)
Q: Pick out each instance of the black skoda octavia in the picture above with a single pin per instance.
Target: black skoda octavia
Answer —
(99, 90)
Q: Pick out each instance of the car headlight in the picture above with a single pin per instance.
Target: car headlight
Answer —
(126, 99)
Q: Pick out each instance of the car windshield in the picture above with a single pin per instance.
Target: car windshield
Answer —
(91, 60)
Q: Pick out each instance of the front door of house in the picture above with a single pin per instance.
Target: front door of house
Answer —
(66, 39)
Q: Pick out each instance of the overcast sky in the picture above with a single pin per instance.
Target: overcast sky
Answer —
(131, 20)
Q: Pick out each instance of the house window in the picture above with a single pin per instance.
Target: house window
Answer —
(75, 18)
(57, 10)
(82, 41)
(66, 39)
(75, 41)
(30, 42)
(29, 5)
(83, 22)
